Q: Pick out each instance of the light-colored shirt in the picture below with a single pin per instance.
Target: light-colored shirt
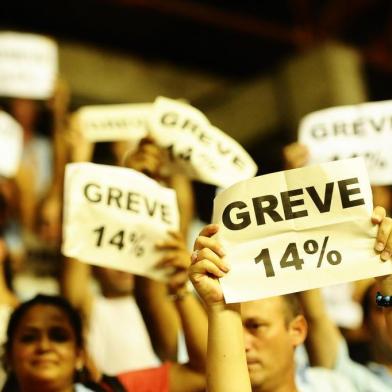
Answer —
(82, 388)
(317, 379)
(371, 378)
(118, 340)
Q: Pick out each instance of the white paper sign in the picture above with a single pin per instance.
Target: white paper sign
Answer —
(113, 217)
(350, 131)
(11, 145)
(297, 230)
(28, 65)
(113, 122)
(204, 152)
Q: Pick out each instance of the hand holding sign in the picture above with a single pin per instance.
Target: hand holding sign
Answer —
(310, 230)
(203, 151)
(350, 131)
(113, 217)
(207, 266)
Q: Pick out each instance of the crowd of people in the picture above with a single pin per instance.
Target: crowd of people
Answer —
(99, 329)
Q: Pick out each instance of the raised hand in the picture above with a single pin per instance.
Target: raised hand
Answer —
(295, 155)
(208, 266)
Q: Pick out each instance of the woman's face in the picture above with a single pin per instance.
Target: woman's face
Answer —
(44, 352)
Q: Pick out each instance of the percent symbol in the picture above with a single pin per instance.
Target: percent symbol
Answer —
(137, 248)
(333, 256)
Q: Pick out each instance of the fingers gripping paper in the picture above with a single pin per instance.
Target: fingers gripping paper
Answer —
(113, 122)
(28, 65)
(113, 217)
(297, 230)
(203, 151)
(11, 145)
(349, 131)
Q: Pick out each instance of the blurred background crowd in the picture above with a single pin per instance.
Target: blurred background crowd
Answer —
(254, 68)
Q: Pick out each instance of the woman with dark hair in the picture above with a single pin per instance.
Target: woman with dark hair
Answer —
(45, 352)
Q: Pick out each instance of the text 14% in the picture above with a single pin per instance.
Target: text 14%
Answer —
(291, 256)
(120, 239)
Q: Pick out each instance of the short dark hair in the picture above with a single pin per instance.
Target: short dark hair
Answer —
(292, 305)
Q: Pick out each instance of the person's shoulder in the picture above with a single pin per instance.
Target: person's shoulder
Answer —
(147, 380)
(319, 379)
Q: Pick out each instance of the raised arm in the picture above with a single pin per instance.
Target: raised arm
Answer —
(185, 199)
(74, 285)
(226, 365)
(324, 337)
(7, 297)
(169, 308)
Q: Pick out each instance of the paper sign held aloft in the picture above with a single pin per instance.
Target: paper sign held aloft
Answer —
(202, 150)
(114, 216)
(349, 131)
(113, 122)
(297, 230)
(11, 145)
(28, 65)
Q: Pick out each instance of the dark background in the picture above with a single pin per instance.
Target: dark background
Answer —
(236, 39)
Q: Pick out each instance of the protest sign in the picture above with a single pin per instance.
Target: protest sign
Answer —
(28, 65)
(11, 145)
(203, 151)
(114, 216)
(113, 122)
(350, 131)
(297, 230)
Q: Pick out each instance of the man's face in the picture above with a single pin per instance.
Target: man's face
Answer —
(269, 342)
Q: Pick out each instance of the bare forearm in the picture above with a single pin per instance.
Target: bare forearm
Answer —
(324, 336)
(226, 366)
(74, 284)
(195, 327)
(160, 316)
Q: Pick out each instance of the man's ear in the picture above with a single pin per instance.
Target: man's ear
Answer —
(298, 329)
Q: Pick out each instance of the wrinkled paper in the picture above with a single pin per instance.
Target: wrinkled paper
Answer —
(113, 217)
(350, 131)
(298, 229)
(203, 151)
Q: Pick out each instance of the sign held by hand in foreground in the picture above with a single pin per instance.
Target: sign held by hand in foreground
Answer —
(298, 229)
(113, 217)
